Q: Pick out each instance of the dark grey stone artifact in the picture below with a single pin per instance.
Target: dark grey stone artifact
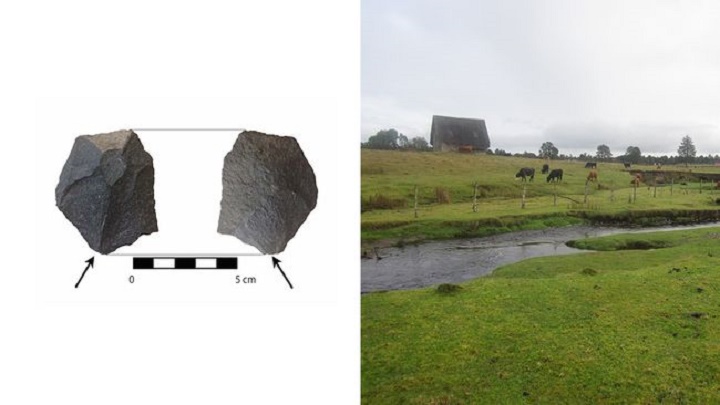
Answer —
(106, 190)
(268, 191)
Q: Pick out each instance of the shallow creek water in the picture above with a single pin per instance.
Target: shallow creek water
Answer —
(458, 260)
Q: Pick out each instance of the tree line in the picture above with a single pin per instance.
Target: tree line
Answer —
(392, 139)
(687, 153)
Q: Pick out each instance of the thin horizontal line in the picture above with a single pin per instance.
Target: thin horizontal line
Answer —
(189, 129)
(173, 255)
(169, 268)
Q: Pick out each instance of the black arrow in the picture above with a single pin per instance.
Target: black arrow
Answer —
(90, 262)
(276, 263)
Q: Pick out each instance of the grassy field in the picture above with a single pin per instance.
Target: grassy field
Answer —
(617, 326)
(389, 179)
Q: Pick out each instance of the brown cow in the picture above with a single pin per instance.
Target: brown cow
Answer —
(466, 149)
(592, 176)
(636, 180)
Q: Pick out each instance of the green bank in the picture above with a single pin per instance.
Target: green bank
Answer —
(623, 325)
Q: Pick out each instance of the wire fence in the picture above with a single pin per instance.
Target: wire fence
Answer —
(586, 198)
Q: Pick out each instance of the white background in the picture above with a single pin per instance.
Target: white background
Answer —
(92, 349)
(188, 188)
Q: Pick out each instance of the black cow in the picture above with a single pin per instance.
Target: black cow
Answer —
(627, 165)
(526, 172)
(555, 175)
(591, 165)
(545, 169)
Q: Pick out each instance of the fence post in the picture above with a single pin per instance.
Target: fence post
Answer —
(416, 193)
(671, 185)
(475, 197)
(635, 186)
(586, 192)
(655, 189)
(523, 197)
(700, 185)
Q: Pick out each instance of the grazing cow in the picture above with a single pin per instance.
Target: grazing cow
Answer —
(545, 169)
(555, 175)
(636, 180)
(591, 165)
(592, 176)
(627, 165)
(658, 166)
(526, 172)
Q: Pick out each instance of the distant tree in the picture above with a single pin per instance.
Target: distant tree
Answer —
(548, 150)
(603, 152)
(500, 152)
(387, 139)
(686, 150)
(403, 141)
(419, 143)
(632, 155)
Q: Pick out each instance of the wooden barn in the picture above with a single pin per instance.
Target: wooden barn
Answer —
(459, 134)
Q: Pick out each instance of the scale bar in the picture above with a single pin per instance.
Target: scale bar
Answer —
(184, 263)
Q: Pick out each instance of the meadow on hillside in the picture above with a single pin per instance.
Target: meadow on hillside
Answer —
(448, 183)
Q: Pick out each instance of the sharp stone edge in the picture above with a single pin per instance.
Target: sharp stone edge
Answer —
(269, 190)
(106, 190)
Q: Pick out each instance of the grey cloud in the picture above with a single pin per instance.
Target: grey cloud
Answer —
(650, 138)
(584, 71)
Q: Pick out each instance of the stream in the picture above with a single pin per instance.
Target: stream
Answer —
(458, 260)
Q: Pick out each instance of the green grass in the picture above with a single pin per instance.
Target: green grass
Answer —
(618, 326)
(393, 175)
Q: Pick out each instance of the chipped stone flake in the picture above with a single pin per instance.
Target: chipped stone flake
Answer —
(269, 190)
(106, 190)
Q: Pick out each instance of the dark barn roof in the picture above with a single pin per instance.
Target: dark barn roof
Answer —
(452, 132)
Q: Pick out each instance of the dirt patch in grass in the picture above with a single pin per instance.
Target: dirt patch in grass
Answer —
(448, 288)
(382, 202)
(442, 195)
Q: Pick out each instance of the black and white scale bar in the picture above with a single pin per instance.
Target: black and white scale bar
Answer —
(184, 263)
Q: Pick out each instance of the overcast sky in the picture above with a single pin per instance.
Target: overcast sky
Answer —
(576, 73)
